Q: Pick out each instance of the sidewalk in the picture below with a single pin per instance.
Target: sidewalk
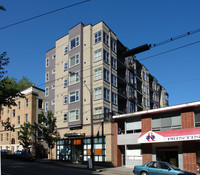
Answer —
(114, 170)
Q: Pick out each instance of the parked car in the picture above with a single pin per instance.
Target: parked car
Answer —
(23, 155)
(159, 167)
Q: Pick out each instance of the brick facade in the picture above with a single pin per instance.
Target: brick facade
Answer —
(189, 156)
(187, 119)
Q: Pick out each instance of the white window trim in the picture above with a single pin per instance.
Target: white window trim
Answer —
(75, 96)
(47, 73)
(77, 76)
(97, 74)
(75, 112)
(75, 43)
(64, 99)
(46, 95)
(65, 69)
(98, 50)
(75, 56)
(98, 37)
(48, 62)
(97, 94)
(64, 82)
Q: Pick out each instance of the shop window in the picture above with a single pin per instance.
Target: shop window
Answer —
(99, 149)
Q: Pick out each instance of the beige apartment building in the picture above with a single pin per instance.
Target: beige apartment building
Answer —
(26, 110)
(89, 77)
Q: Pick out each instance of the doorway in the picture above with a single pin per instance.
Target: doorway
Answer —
(167, 154)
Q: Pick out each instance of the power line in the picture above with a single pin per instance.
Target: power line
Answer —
(47, 13)
(175, 38)
(161, 53)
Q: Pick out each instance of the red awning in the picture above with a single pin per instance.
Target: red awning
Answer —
(170, 135)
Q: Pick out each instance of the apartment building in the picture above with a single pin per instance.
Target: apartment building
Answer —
(94, 76)
(26, 110)
(170, 134)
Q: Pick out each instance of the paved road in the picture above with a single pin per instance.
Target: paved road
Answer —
(16, 167)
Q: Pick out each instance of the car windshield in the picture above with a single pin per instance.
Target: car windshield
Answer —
(174, 167)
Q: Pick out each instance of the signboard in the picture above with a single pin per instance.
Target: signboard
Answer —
(77, 142)
(96, 152)
(154, 137)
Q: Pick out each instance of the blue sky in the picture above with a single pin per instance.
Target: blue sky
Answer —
(135, 22)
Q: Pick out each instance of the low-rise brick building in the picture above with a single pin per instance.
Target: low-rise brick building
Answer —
(170, 134)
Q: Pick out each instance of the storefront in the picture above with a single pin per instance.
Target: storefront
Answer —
(78, 149)
(174, 146)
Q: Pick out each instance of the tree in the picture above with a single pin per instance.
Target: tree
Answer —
(47, 125)
(7, 125)
(25, 134)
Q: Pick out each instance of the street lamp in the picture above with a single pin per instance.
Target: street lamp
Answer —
(91, 118)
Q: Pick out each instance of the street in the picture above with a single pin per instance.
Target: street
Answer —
(16, 167)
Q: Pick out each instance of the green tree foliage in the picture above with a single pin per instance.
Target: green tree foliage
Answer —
(7, 125)
(47, 125)
(25, 134)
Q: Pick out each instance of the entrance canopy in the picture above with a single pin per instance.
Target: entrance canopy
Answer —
(170, 136)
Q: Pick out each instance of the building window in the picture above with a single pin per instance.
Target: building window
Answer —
(114, 80)
(26, 105)
(73, 115)
(64, 117)
(47, 77)
(65, 65)
(65, 100)
(1, 137)
(53, 86)
(74, 42)
(74, 60)
(98, 113)
(106, 94)
(53, 56)
(144, 76)
(53, 71)
(97, 55)
(106, 75)
(40, 102)
(97, 74)
(106, 57)
(46, 106)
(144, 89)
(1, 111)
(113, 45)
(97, 37)
(106, 39)
(13, 112)
(131, 107)
(74, 96)
(131, 78)
(114, 98)
(65, 49)
(6, 136)
(65, 82)
(18, 120)
(114, 63)
(74, 78)
(47, 62)
(26, 117)
(46, 92)
(53, 102)
(19, 105)
(197, 119)
(97, 93)
(166, 123)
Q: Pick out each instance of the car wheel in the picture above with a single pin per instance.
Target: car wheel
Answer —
(144, 173)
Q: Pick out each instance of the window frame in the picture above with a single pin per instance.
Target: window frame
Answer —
(76, 114)
(75, 95)
(97, 37)
(98, 93)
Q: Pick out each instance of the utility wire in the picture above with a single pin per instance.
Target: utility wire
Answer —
(175, 38)
(161, 53)
(47, 13)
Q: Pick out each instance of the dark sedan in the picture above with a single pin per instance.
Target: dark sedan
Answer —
(158, 168)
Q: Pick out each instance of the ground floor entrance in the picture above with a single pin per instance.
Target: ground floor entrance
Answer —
(167, 154)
